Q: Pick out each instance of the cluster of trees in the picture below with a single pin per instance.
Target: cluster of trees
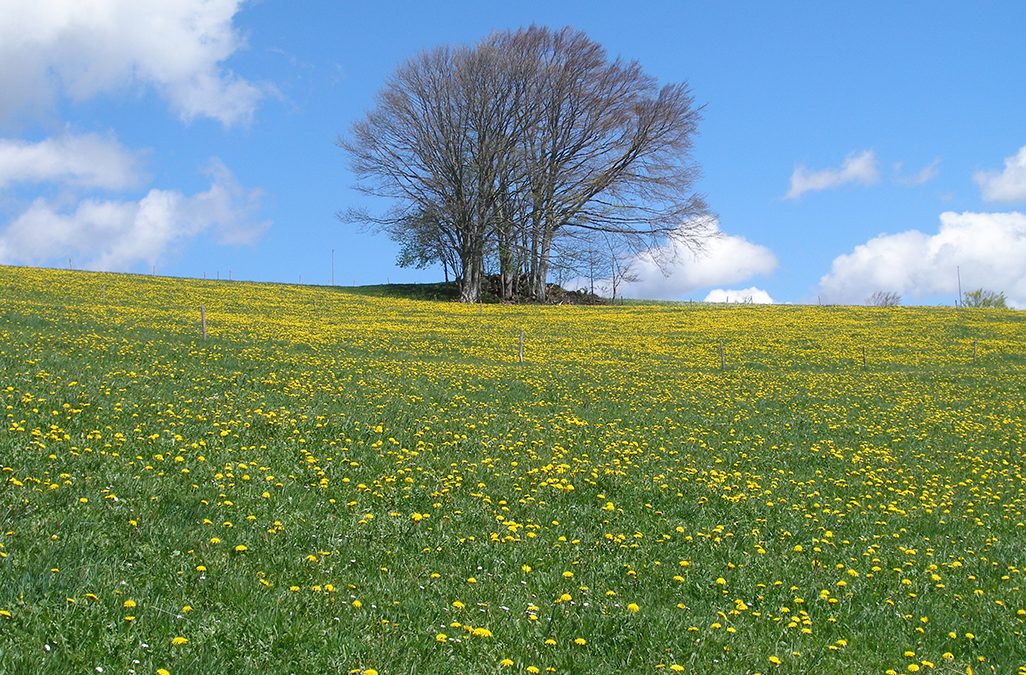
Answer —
(528, 153)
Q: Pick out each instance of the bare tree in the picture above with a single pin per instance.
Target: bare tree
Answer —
(608, 152)
(884, 299)
(529, 137)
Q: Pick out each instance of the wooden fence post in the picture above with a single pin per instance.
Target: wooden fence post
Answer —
(203, 321)
(723, 360)
(520, 349)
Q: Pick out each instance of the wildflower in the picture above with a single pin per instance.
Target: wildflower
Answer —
(178, 641)
(633, 608)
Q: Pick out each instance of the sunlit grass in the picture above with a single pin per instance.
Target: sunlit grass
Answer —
(334, 482)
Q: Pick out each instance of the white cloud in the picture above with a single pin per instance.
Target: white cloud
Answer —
(857, 168)
(672, 271)
(115, 235)
(752, 295)
(989, 249)
(921, 177)
(1008, 185)
(88, 160)
(82, 48)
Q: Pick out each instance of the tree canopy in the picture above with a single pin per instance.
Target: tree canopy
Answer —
(516, 154)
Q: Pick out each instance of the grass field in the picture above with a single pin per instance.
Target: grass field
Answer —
(333, 482)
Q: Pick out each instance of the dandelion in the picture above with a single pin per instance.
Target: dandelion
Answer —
(633, 608)
(178, 641)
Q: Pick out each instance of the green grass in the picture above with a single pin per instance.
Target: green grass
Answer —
(793, 505)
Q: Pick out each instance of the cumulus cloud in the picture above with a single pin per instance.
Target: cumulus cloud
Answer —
(84, 48)
(859, 168)
(672, 271)
(88, 161)
(988, 248)
(117, 234)
(750, 296)
(1008, 185)
(921, 177)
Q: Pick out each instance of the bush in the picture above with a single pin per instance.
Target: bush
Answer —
(981, 298)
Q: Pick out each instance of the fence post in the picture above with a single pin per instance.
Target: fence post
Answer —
(203, 321)
(723, 360)
(520, 349)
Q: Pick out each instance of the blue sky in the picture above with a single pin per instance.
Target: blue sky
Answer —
(844, 150)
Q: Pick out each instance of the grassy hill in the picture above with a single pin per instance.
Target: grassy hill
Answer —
(336, 481)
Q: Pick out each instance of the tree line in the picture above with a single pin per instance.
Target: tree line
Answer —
(529, 152)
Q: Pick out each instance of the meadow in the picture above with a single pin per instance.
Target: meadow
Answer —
(336, 482)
